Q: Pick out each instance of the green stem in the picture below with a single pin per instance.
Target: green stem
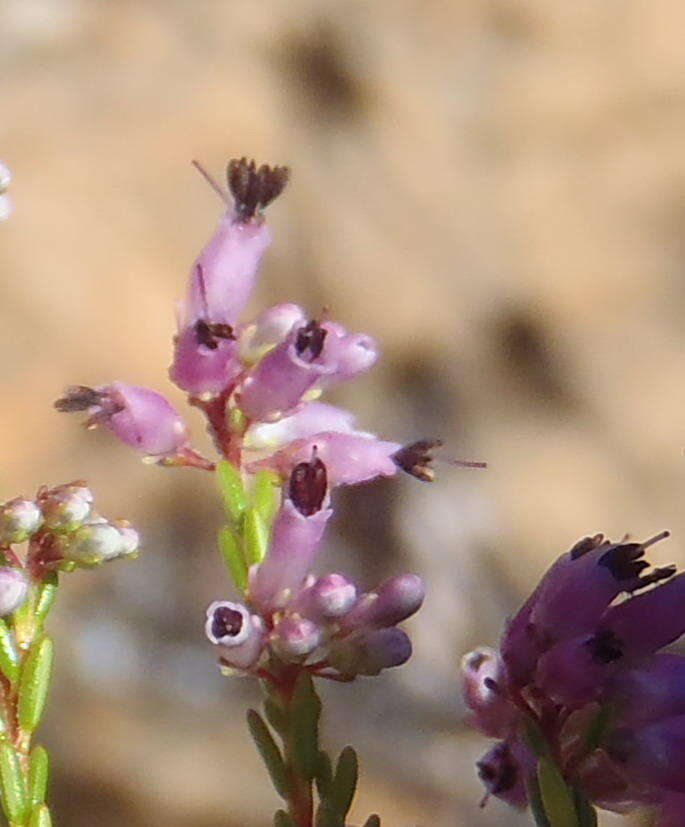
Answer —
(24, 684)
(300, 795)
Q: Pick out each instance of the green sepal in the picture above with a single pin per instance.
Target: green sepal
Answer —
(34, 683)
(373, 821)
(326, 816)
(557, 798)
(256, 536)
(231, 489)
(38, 775)
(47, 592)
(534, 737)
(265, 494)
(587, 815)
(344, 781)
(306, 709)
(9, 657)
(229, 548)
(276, 716)
(269, 751)
(324, 775)
(40, 817)
(14, 797)
(24, 621)
(598, 726)
(282, 819)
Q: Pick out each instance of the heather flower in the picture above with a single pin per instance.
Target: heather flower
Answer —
(65, 507)
(139, 417)
(585, 672)
(390, 603)
(369, 651)
(19, 519)
(327, 598)
(5, 199)
(93, 543)
(504, 770)
(239, 634)
(13, 589)
(295, 637)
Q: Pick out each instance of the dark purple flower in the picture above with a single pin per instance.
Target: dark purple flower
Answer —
(503, 771)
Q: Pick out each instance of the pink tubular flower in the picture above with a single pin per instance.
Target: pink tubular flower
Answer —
(239, 634)
(310, 419)
(350, 458)
(268, 329)
(483, 680)
(140, 417)
(296, 534)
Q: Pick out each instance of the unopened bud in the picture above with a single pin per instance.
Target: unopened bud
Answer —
(130, 538)
(295, 637)
(66, 507)
(393, 601)
(19, 518)
(92, 544)
(13, 589)
(369, 651)
(328, 598)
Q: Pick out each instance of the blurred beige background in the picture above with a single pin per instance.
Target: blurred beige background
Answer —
(494, 189)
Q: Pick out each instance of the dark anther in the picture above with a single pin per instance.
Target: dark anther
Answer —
(78, 398)
(226, 622)
(605, 646)
(416, 458)
(310, 340)
(499, 772)
(492, 685)
(655, 576)
(207, 333)
(586, 544)
(308, 486)
(254, 188)
(623, 561)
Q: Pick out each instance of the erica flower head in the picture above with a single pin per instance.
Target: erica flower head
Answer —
(580, 663)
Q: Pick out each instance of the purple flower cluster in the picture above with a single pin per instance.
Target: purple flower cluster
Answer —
(580, 664)
(259, 385)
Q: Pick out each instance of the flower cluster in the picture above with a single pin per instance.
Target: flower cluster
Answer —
(63, 532)
(258, 384)
(580, 680)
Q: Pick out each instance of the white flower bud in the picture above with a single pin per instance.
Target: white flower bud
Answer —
(19, 518)
(93, 544)
(13, 589)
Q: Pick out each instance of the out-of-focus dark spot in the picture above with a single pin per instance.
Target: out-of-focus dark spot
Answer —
(528, 356)
(427, 387)
(320, 69)
(513, 24)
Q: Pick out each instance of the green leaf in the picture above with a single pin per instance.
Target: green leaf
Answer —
(9, 657)
(13, 788)
(282, 819)
(557, 798)
(46, 595)
(276, 716)
(231, 489)
(270, 753)
(324, 776)
(265, 494)
(533, 737)
(40, 817)
(535, 801)
(38, 775)
(326, 816)
(587, 815)
(306, 708)
(256, 537)
(344, 781)
(34, 683)
(233, 557)
(598, 726)
(373, 821)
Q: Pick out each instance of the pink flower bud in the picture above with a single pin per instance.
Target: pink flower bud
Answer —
(294, 638)
(66, 507)
(13, 589)
(269, 329)
(368, 651)
(328, 598)
(392, 602)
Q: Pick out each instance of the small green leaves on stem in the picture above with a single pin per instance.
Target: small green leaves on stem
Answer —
(34, 683)
(38, 776)
(535, 801)
(324, 776)
(231, 489)
(373, 821)
(256, 536)
(305, 711)
(265, 494)
(276, 716)
(344, 781)
(557, 798)
(282, 819)
(233, 558)
(46, 595)
(40, 817)
(14, 796)
(269, 751)
(9, 658)
(327, 817)
(587, 815)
